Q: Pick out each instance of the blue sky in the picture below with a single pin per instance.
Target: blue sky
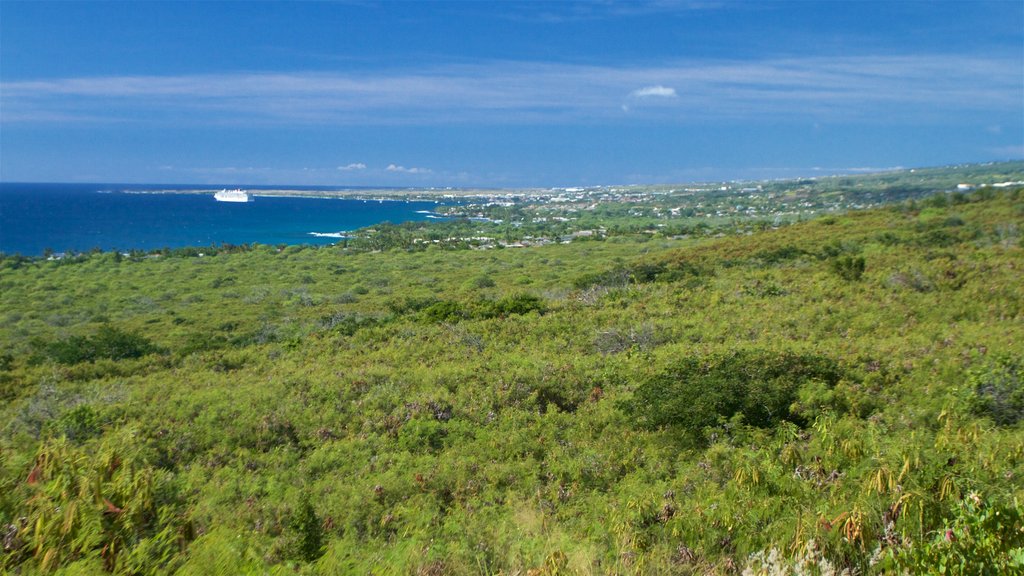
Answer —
(503, 94)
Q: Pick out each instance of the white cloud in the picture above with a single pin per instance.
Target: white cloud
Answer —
(658, 91)
(885, 89)
(404, 170)
(352, 166)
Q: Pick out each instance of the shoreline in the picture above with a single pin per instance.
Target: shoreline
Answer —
(374, 195)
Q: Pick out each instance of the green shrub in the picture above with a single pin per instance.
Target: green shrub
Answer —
(481, 282)
(308, 530)
(639, 273)
(79, 423)
(849, 268)
(517, 304)
(410, 304)
(780, 254)
(760, 386)
(838, 248)
(202, 342)
(444, 311)
(421, 434)
(108, 342)
(937, 238)
(889, 239)
(998, 391)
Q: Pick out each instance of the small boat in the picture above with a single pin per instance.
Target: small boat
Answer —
(232, 196)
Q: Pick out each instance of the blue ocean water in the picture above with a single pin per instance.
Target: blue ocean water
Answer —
(80, 217)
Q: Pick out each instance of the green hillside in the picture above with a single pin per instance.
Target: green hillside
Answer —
(843, 393)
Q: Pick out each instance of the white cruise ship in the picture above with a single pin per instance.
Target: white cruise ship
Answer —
(232, 196)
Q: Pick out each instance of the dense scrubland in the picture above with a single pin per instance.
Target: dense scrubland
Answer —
(836, 395)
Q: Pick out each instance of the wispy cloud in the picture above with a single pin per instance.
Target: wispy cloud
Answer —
(872, 88)
(353, 166)
(658, 91)
(404, 170)
(562, 12)
(1011, 152)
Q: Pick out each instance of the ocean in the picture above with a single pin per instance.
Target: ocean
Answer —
(79, 217)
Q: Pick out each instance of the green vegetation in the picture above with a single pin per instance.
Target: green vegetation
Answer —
(108, 342)
(838, 394)
(756, 389)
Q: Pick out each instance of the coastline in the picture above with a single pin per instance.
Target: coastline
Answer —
(40, 219)
(368, 195)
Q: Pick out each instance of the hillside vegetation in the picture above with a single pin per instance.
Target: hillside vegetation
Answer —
(839, 394)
